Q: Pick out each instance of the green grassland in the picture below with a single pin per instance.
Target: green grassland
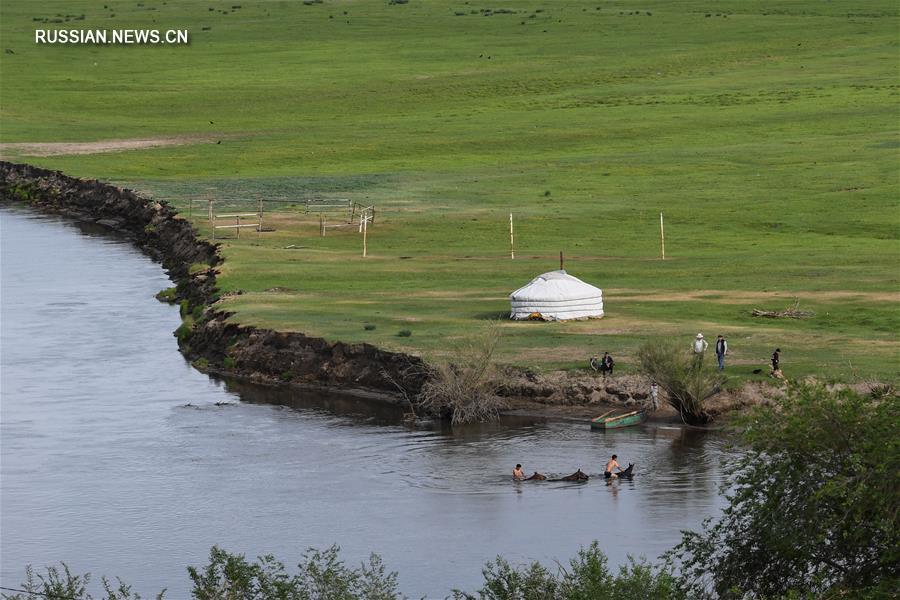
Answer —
(767, 132)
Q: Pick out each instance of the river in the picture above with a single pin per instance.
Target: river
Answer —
(120, 459)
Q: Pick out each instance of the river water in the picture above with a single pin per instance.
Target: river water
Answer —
(120, 459)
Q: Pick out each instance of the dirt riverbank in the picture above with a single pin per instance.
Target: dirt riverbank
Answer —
(214, 343)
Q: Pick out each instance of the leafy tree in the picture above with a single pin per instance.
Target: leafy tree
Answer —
(813, 502)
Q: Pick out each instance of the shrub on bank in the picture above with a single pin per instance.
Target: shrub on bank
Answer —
(465, 387)
(687, 380)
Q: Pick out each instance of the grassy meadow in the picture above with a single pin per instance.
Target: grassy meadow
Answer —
(767, 132)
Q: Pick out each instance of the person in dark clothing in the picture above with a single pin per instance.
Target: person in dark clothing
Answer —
(776, 359)
(721, 351)
(607, 364)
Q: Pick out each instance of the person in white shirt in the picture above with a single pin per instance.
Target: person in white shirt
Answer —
(700, 345)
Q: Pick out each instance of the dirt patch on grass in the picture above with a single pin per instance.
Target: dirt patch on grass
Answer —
(744, 297)
(70, 148)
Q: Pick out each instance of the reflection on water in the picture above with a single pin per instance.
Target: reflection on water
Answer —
(116, 454)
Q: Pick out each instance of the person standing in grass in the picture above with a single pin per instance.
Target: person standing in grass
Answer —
(721, 351)
(699, 347)
(776, 360)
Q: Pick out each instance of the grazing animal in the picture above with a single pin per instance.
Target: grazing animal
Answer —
(536, 477)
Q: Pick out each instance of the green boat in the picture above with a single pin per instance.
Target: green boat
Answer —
(635, 417)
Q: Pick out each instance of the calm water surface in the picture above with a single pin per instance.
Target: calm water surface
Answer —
(116, 458)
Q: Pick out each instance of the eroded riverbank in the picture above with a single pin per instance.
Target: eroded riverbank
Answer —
(218, 345)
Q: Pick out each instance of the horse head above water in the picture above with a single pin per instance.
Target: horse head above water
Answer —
(576, 476)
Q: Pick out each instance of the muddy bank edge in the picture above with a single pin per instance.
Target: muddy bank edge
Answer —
(210, 341)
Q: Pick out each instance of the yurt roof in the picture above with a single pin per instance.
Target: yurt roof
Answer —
(555, 286)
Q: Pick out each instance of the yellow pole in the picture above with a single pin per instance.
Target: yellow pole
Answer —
(365, 236)
(662, 237)
(512, 247)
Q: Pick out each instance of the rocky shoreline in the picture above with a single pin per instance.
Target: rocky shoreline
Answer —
(217, 345)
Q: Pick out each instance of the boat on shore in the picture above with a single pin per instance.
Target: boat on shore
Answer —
(635, 417)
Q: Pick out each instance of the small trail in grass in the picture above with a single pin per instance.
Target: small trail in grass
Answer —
(72, 148)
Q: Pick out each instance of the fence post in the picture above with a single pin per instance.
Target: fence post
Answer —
(512, 247)
(365, 237)
(238, 225)
(662, 237)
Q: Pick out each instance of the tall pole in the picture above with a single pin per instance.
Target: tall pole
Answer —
(512, 247)
(365, 237)
(662, 237)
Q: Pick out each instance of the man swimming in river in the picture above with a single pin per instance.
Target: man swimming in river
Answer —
(610, 465)
(518, 475)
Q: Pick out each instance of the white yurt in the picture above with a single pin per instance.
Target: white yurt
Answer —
(556, 296)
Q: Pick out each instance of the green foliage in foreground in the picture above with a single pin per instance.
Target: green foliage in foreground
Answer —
(59, 583)
(812, 505)
(586, 578)
(321, 574)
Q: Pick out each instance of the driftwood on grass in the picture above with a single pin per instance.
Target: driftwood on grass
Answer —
(793, 312)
